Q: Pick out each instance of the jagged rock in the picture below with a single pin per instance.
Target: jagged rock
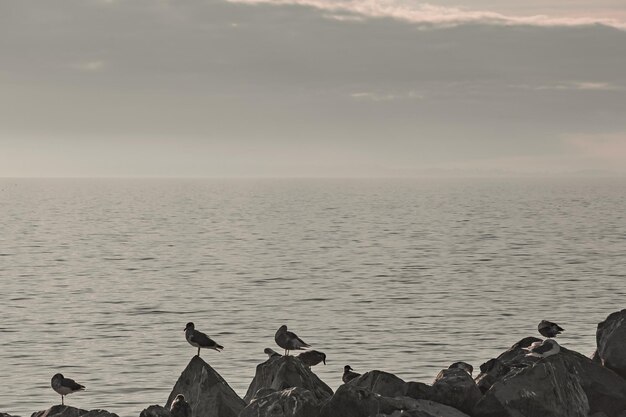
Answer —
(351, 400)
(60, 411)
(382, 383)
(419, 391)
(6, 415)
(291, 402)
(546, 389)
(513, 358)
(155, 411)
(604, 390)
(456, 388)
(99, 413)
(67, 411)
(282, 372)
(206, 391)
(611, 341)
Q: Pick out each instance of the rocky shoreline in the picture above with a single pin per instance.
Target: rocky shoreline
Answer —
(567, 384)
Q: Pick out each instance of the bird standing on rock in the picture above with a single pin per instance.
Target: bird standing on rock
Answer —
(549, 329)
(288, 340)
(65, 386)
(348, 375)
(199, 339)
(180, 407)
(312, 357)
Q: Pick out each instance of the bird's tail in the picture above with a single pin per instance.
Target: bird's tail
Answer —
(219, 347)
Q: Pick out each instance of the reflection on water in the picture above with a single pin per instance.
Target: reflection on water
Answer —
(99, 277)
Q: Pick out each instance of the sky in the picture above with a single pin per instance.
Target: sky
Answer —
(312, 88)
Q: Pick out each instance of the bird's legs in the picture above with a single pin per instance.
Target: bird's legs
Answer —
(62, 402)
(198, 351)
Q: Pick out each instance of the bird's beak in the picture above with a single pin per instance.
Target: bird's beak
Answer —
(324, 360)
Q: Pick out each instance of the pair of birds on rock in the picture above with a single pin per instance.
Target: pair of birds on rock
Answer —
(549, 346)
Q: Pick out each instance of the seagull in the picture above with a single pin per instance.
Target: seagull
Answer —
(348, 375)
(549, 329)
(543, 349)
(199, 339)
(180, 407)
(65, 386)
(288, 340)
(271, 353)
(312, 358)
(464, 366)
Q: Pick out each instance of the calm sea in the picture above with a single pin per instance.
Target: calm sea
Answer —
(99, 277)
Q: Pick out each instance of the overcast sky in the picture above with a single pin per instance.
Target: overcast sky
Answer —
(312, 87)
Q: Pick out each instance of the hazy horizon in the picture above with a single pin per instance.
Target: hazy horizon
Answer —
(312, 88)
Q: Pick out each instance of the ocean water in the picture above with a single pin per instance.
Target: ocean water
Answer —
(99, 277)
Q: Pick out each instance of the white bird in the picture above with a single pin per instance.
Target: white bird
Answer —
(199, 339)
(65, 386)
(543, 349)
(288, 340)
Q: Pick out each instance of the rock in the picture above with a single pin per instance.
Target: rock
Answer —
(611, 341)
(382, 383)
(206, 391)
(282, 372)
(604, 390)
(155, 411)
(546, 389)
(456, 388)
(419, 391)
(99, 413)
(291, 402)
(67, 411)
(512, 359)
(351, 400)
(6, 415)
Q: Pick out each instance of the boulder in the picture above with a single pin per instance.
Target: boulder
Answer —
(546, 389)
(419, 390)
(456, 388)
(282, 372)
(60, 411)
(291, 402)
(67, 411)
(513, 359)
(206, 391)
(155, 411)
(553, 382)
(351, 400)
(611, 341)
(382, 383)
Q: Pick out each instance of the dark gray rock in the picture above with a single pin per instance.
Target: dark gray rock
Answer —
(155, 411)
(7, 415)
(604, 390)
(282, 372)
(546, 389)
(611, 341)
(67, 411)
(456, 388)
(291, 402)
(351, 400)
(513, 359)
(419, 390)
(206, 391)
(382, 383)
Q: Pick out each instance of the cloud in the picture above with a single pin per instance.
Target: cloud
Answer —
(425, 13)
(376, 96)
(89, 66)
(573, 86)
